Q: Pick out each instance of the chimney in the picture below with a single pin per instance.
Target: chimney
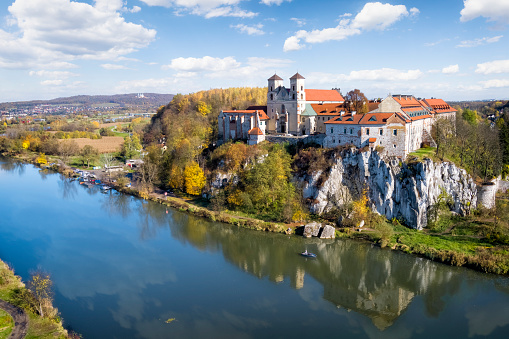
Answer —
(353, 113)
(342, 113)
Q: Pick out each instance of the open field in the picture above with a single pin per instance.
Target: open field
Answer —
(104, 145)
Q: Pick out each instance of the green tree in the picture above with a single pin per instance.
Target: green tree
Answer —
(131, 146)
(470, 116)
(88, 154)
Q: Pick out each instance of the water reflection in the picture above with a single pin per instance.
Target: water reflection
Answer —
(126, 265)
(12, 166)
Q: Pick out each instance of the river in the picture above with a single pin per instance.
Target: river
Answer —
(122, 267)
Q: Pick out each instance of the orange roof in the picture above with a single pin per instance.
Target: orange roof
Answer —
(346, 120)
(406, 100)
(255, 131)
(419, 117)
(375, 118)
(323, 95)
(439, 105)
(329, 109)
(372, 139)
(261, 114)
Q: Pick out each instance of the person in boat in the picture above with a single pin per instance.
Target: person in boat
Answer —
(305, 252)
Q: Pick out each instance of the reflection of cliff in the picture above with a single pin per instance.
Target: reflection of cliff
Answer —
(377, 283)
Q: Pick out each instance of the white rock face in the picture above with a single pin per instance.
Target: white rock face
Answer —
(394, 190)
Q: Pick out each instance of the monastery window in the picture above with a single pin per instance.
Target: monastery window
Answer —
(367, 131)
(293, 88)
(395, 132)
(272, 97)
(344, 132)
(394, 145)
(302, 96)
(294, 96)
(301, 88)
(271, 88)
(351, 131)
(381, 131)
(332, 130)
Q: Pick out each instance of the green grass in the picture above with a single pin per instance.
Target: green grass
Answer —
(425, 152)
(6, 324)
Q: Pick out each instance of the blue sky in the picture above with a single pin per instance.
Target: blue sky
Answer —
(453, 49)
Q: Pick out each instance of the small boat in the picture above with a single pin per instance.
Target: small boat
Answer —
(308, 254)
(105, 188)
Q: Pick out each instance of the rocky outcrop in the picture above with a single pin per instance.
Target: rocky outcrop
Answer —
(395, 189)
(315, 229)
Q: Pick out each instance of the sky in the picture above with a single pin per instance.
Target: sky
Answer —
(450, 49)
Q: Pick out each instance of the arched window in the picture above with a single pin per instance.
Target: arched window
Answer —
(272, 97)
(302, 96)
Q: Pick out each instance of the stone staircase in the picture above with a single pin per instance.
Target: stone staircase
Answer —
(426, 138)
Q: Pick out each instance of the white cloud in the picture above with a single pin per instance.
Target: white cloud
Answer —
(207, 8)
(251, 30)
(227, 67)
(382, 74)
(273, 2)
(451, 69)
(53, 74)
(431, 44)
(135, 9)
(480, 41)
(373, 16)
(414, 11)
(52, 82)
(376, 15)
(206, 63)
(299, 22)
(113, 66)
(495, 83)
(493, 10)
(292, 44)
(493, 67)
(59, 31)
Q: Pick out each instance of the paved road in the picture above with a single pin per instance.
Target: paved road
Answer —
(20, 320)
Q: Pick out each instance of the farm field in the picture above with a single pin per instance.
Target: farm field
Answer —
(104, 145)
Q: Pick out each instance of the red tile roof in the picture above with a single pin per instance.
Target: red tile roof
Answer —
(329, 109)
(375, 118)
(406, 100)
(372, 139)
(346, 120)
(439, 105)
(372, 106)
(255, 131)
(419, 117)
(323, 95)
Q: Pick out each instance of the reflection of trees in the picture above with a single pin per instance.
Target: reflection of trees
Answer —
(377, 283)
(117, 203)
(10, 165)
(151, 217)
(68, 188)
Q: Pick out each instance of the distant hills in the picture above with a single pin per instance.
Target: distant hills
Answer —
(125, 100)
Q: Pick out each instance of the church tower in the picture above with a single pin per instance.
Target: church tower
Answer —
(298, 96)
(275, 82)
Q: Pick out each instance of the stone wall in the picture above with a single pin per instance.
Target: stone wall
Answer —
(306, 139)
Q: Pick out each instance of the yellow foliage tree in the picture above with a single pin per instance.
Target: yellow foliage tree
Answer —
(26, 143)
(95, 124)
(360, 207)
(202, 108)
(176, 179)
(41, 159)
(194, 178)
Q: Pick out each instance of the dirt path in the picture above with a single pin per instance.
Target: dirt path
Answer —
(20, 320)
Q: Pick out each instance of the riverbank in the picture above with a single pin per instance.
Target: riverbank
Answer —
(458, 245)
(11, 291)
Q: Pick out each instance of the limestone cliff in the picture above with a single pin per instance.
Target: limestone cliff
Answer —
(396, 190)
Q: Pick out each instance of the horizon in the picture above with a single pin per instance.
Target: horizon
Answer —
(452, 50)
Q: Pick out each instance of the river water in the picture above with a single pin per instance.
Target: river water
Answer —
(122, 267)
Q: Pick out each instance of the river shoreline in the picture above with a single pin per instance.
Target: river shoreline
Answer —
(483, 262)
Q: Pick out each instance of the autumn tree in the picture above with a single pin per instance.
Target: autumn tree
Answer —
(358, 101)
(40, 285)
(194, 178)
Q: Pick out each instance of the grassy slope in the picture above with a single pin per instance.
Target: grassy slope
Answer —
(38, 327)
(6, 324)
